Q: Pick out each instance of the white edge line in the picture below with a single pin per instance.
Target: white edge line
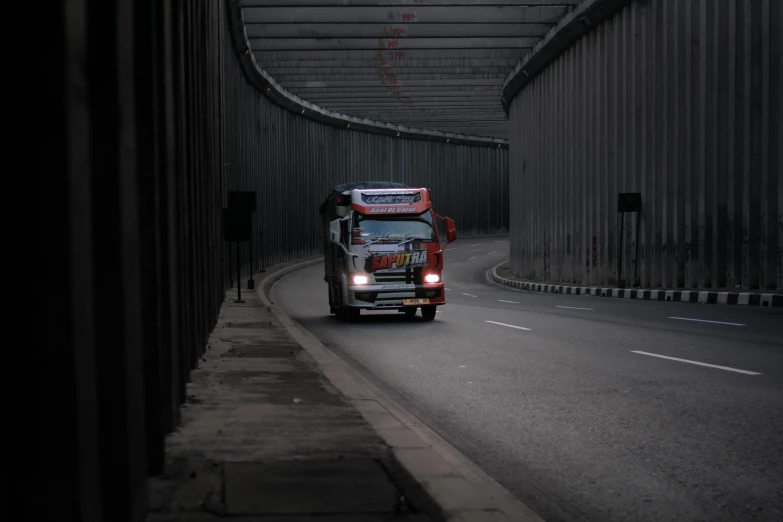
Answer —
(510, 326)
(504, 301)
(746, 372)
(705, 321)
(469, 295)
(573, 307)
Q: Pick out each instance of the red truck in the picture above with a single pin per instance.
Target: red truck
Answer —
(382, 250)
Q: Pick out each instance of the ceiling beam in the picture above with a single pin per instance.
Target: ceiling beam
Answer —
(483, 108)
(411, 14)
(412, 83)
(450, 64)
(419, 30)
(418, 115)
(379, 77)
(409, 89)
(393, 44)
(375, 71)
(418, 96)
(375, 54)
(421, 105)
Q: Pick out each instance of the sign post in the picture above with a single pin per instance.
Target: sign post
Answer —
(245, 201)
(237, 227)
(263, 257)
(628, 202)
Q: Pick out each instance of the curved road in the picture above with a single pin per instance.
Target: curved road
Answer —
(552, 399)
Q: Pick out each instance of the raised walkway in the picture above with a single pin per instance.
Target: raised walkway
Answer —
(277, 428)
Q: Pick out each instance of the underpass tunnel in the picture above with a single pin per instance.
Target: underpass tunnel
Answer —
(524, 117)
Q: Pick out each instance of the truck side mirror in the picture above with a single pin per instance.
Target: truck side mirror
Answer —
(334, 231)
(451, 230)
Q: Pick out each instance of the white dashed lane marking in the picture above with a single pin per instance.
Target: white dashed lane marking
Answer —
(728, 369)
(705, 321)
(510, 302)
(573, 308)
(469, 295)
(510, 326)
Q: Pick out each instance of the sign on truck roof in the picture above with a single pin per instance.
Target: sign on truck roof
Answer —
(349, 187)
(394, 201)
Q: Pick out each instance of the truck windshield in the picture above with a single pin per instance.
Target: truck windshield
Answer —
(372, 229)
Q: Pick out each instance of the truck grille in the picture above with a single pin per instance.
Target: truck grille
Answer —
(398, 277)
(409, 276)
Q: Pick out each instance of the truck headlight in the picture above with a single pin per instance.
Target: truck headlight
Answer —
(360, 280)
(432, 278)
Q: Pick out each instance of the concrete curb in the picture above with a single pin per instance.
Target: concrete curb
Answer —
(681, 296)
(462, 490)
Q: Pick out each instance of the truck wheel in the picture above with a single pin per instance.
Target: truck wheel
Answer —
(409, 312)
(428, 313)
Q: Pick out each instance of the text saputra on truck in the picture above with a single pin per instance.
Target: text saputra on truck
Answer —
(382, 250)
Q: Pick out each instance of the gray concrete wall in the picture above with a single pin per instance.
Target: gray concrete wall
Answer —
(679, 100)
(293, 163)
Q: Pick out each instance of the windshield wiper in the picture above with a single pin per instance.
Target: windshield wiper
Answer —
(378, 241)
(408, 241)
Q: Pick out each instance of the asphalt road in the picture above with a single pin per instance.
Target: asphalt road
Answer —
(564, 413)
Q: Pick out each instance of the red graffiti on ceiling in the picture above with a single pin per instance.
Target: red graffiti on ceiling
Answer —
(389, 51)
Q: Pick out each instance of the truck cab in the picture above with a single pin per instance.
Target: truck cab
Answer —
(383, 251)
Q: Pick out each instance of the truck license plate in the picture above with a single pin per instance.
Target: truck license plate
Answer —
(408, 302)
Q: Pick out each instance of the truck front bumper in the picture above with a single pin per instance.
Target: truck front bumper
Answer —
(394, 296)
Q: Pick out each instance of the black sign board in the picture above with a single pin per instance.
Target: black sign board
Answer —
(242, 200)
(237, 225)
(391, 199)
(629, 202)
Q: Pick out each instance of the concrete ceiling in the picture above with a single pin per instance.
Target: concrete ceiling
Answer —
(427, 64)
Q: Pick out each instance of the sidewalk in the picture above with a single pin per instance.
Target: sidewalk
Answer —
(502, 275)
(266, 437)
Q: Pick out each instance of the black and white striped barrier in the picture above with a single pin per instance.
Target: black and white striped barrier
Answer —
(682, 296)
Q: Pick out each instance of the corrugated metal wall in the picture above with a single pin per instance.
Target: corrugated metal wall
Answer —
(679, 100)
(293, 163)
(131, 158)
